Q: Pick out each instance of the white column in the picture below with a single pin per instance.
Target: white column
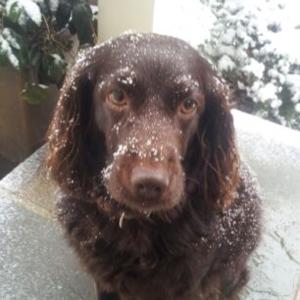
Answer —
(117, 16)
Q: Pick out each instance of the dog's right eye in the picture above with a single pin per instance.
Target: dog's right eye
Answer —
(118, 98)
(188, 107)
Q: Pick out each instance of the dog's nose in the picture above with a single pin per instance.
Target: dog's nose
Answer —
(149, 183)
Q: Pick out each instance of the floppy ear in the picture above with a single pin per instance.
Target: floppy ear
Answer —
(76, 148)
(213, 153)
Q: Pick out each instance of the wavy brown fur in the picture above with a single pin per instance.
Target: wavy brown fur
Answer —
(194, 247)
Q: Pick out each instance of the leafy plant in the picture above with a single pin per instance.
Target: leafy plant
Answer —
(252, 44)
(38, 37)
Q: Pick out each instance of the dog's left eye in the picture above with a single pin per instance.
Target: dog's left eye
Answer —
(188, 106)
(118, 97)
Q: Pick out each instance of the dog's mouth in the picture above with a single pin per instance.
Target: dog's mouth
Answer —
(122, 213)
(118, 211)
(143, 186)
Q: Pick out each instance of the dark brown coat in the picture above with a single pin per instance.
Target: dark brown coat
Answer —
(154, 198)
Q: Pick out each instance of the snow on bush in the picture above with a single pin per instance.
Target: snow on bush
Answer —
(7, 41)
(25, 9)
(254, 44)
(39, 37)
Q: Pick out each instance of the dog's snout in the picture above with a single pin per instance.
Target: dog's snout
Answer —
(149, 183)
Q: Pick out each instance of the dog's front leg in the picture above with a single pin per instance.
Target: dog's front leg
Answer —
(102, 295)
(108, 296)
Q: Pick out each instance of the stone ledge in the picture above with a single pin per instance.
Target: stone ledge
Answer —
(37, 263)
(29, 185)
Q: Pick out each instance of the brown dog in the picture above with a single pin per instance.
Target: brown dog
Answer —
(155, 201)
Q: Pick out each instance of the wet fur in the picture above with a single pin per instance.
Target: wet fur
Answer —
(196, 249)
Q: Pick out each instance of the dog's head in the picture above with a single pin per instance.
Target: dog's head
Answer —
(144, 118)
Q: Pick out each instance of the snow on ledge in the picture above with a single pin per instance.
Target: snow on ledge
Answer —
(266, 129)
(273, 152)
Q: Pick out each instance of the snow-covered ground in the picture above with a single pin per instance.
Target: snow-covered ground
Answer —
(273, 152)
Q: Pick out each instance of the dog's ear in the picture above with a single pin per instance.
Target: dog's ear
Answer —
(213, 150)
(76, 148)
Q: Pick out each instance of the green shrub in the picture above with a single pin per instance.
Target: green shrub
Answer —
(37, 37)
(254, 45)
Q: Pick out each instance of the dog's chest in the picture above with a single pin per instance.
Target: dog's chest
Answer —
(146, 253)
(137, 256)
